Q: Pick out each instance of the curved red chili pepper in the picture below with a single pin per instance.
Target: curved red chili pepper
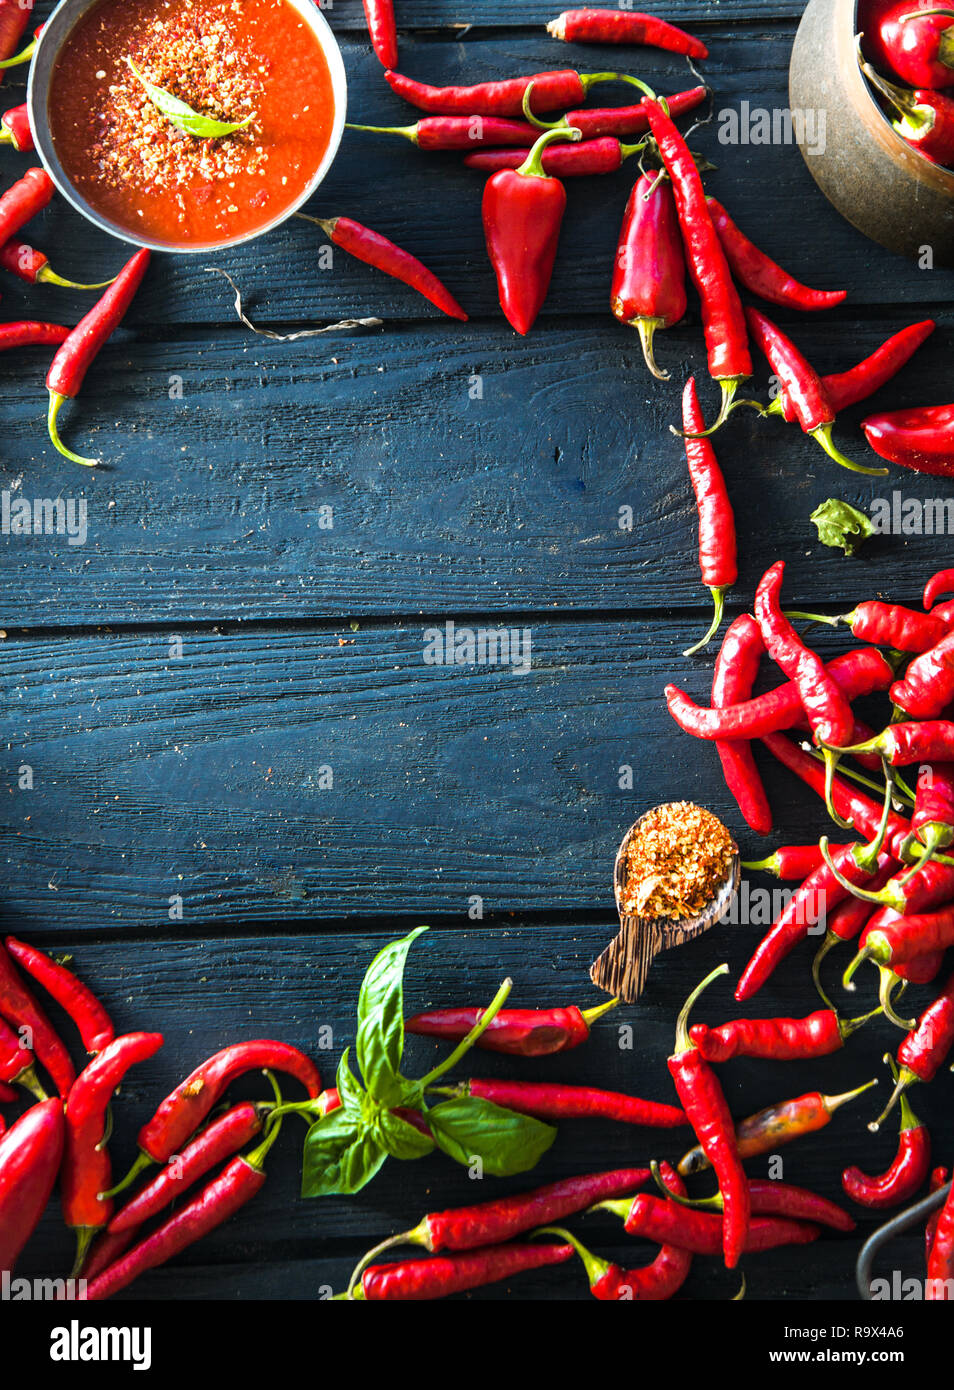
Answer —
(622, 26)
(717, 542)
(760, 274)
(376, 250)
(383, 30)
(87, 1172)
(30, 1153)
(700, 1232)
(928, 685)
(548, 1101)
(768, 1198)
(867, 376)
(733, 677)
(906, 1173)
(552, 91)
(33, 267)
(519, 1032)
(437, 1276)
(74, 998)
(921, 438)
(17, 1063)
(915, 741)
(648, 289)
(21, 202)
(19, 1008)
(918, 48)
(778, 1039)
(938, 584)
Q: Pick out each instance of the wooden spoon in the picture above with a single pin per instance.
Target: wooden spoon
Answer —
(624, 965)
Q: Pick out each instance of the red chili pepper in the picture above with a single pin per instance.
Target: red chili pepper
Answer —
(105, 1251)
(896, 939)
(375, 250)
(184, 1109)
(925, 1048)
(23, 201)
(666, 1223)
(722, 318)
(15, 129)
(906, 1173)
(777, 1039)
(594, 121)
(928, 685)
(705, 1105)
(916, 741)
(803, 387)
(383, 30)
(733, 677)
(74, 998)
(941, 1260)
(856, 673)
(221, 1198)
(552, 91)
(87, 1172)
(778, 1124)
(459, 132)
(887, 625)
(30, 1155)
(925, 118)
(867, 376)
(17, 1063)
(717, 543)
(33, 267)
(582, 160)
(523, 212)
(845, 923)
(788, 862)
(922, 438)
(14, 18)
(19, 1007)
(938, 584)
(918, 47)
(768, 1198)
(819, 893)
(519, 1032)
(760, 274)
(7, 1094)
(28, 334)
(939, 1178)
(222, 1139)
(74, 359)
(549, 1101)
(622, 26)
(437, 1276)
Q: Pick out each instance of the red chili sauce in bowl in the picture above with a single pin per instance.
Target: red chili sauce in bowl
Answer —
(227, 60)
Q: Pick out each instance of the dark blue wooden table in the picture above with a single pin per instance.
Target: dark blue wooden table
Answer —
(230, 772)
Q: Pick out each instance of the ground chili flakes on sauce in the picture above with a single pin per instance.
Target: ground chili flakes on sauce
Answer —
(678, 857)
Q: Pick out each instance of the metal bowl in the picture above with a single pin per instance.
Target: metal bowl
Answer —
(56, 33)
(889, 191)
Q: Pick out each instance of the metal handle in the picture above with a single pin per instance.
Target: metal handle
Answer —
(890, 1229)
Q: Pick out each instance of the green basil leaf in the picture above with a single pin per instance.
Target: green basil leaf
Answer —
(380, 1041)
(842, 526)
(340, 1157)
(467, 1128)
(350, 1091)
(182, 116)
(401, 1139)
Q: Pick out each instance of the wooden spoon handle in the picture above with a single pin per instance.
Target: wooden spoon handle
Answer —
(624, 965)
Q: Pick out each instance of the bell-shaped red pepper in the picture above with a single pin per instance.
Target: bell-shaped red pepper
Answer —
(915, 38)
(649, 273)
(523, 212)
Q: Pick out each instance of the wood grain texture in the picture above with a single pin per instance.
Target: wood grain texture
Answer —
(291, 986)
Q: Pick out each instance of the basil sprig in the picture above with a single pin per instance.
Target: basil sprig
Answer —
(182, 116)
(346, 1148)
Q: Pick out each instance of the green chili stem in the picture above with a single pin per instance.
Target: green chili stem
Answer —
(718, 599)
(464, 1046)
(823, 435)
(683, 1041)
(56, 405)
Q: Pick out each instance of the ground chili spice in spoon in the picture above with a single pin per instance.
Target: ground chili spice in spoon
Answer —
(677, 859)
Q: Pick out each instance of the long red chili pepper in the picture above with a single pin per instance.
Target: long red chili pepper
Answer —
(28, 334)
(589, 157)
(733, 677)
(915, 741)
(705, 1105)
(23, 201)
(376, 250)
(15, 129)
(30, 1153)
(76, 999)
(184, 1109)
(221, 1198)
(771, 1198)
(33, 267)
(87, 1172)
(888, 625)
(925, 118)
(779, 1124)
(19, 1007)
(921, 438)
(220, 1140)
(867, 376)
(939, 1178)
(383, 30)
(940, 1269)
(624, 26)
(803, 387)
(928, 685)
(105, 1251)
(717, 542)
(14, 18)
(700, 1232)
(787, 862)
(520, 1032)
(925, 1048)
(722, 318)
(522, 213)
(75, 357)
(940, 583)
(760, 274)
(17, 1063)
(648, 289)
(918, 47)
(857, 673)
(593, 121)
(843, 924)
(459, 132)
(897, 939)
(903, 1177)
(549, 1101)
(552, 91)
(437, 1276)
(778, 1039)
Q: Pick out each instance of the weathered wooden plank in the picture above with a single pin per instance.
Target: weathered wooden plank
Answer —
(431, 204)
(463, 473)
(289, 773)
(203, 995)
(347, 16)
